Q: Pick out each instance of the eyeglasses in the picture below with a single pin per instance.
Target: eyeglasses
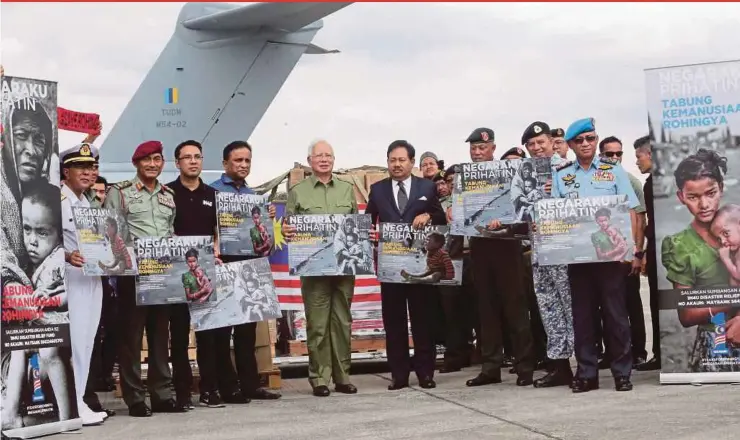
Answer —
(191, 158)
(589, 139)
(613, 154)
(323, 156)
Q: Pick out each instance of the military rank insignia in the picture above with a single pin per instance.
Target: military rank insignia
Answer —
(569, 179)
(605, 167)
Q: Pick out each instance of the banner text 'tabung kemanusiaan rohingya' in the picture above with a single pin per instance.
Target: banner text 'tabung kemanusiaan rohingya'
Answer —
(694, 114)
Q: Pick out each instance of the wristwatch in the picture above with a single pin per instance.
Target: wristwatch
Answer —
(639, 254)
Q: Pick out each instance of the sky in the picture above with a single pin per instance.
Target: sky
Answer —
(428, 73)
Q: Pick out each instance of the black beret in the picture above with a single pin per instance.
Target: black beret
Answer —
(439, 175)
(516, 151)
(454, 169)
(481, 135)
(557, 132)
(535, 129)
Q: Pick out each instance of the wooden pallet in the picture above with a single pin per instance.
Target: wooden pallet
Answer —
(364, 345)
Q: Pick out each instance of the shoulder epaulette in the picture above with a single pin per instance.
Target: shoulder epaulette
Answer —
(564, 165)
(609, 161)
(122, 185)
(168, 189)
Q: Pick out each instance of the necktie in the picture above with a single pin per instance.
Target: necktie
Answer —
(403, 198)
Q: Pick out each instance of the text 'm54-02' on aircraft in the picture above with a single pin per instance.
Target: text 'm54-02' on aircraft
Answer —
(216, 77)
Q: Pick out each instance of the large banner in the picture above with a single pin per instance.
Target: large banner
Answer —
(245, 292)
(174, 270)
(38, 393)
(694, 117)
(583, 230)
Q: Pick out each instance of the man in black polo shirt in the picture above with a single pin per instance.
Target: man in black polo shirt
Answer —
(195, 214)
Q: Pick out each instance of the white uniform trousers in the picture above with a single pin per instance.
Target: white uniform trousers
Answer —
(85, 301)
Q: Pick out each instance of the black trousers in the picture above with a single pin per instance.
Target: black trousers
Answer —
(635, 313)
(499, 280)
(652, 274)
(600, 283)
(458, 303)
(213, 354)
(182, 373)
(395, 298)
(246, 377)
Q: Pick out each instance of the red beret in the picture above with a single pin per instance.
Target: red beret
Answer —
(145, 149)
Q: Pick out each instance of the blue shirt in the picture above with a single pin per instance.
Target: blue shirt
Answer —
(603, 177)
(227, 184)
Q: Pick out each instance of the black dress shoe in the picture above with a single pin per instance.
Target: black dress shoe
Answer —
(541, 365)
(262, 394)
(168, 406)
(427, 383)
(638, 361)
(139, 410)
(651, 365)
(345, 388)
(559, 375)
(482, 379)
(585, 385)
(235, 398)
(397, 385)
(321, 391)
(622, 384)
(524, 380)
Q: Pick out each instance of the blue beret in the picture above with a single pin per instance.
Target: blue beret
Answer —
(580, 126)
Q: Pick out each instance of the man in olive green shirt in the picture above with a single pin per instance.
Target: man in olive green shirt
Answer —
(326, 299)
(149, 210)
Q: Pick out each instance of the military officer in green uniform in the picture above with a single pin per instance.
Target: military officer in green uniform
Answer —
(326, 299)
(149, 210)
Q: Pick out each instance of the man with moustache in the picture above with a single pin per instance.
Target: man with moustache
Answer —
(195, 214)
(499, 282)
(244, 384)
(327, 299)
(84, 293)
(591, 283)
(403, 198)
(552, 287)
(644, 155)
(148, 208)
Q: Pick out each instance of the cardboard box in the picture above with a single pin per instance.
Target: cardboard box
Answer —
(264, 357)
(263, 337)
(296, 175)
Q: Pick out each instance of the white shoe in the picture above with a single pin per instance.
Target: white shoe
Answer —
(89, 418)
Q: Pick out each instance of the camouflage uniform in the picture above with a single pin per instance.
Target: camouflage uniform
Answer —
(552, 289)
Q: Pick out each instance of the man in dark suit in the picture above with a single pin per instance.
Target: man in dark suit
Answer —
(403, 198)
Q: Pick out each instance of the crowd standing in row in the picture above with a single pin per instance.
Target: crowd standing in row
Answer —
(539, 317)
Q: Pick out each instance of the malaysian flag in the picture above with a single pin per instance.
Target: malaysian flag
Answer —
(288, 287)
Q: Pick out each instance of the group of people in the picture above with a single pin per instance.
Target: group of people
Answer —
(540, 316)
(519, 305)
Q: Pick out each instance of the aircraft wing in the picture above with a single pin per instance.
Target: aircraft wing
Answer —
(286, 17)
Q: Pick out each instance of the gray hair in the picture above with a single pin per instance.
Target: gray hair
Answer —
(315, 142)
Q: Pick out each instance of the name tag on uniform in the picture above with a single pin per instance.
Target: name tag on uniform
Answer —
(207, 203)
(603, 176)
(166, 201)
